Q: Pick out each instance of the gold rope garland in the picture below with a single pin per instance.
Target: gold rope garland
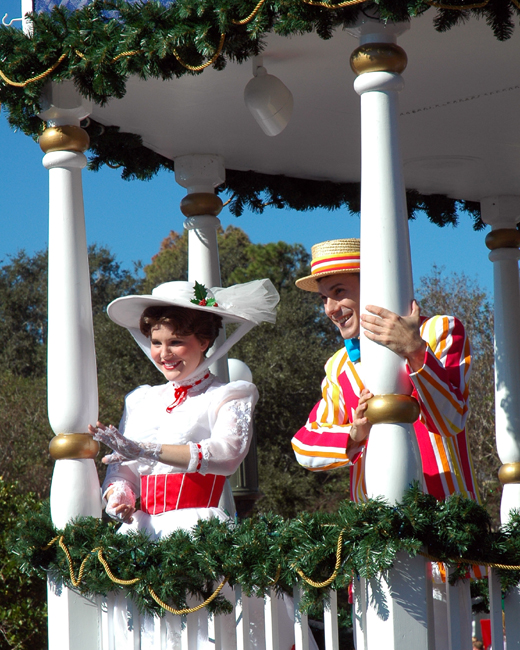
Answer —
(326, 5)
(325, 583)
(277, 576)
(193, 68)
(109, 573)
(198, 68)
(244, 21)
(188, 610)
(23, 84)
(74, 581)
(127, 53)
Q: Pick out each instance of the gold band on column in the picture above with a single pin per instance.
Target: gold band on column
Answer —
(64, 138)
(378, 57)
(509, 473)
(503, 238)
(73, 446)
(392, 409)
(201, 203)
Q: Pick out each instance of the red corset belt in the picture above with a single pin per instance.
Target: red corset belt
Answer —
(163, 492)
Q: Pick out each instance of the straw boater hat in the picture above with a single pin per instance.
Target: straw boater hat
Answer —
(247, 304)
(331, 257)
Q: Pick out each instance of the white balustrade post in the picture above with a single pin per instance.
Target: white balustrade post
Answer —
(502, 213)
(301, 621)
(72, 381)
(396, 618)
(200, 174)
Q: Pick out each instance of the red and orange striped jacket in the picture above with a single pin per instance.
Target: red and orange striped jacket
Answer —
(441, 388)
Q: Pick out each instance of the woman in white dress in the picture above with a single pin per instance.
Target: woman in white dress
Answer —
(178, 441)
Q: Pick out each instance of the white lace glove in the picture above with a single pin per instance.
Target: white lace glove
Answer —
(121, 494)
(126, 449)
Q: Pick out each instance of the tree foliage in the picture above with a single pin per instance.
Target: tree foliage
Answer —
(286, 360)
(461, 296)
(23, 610)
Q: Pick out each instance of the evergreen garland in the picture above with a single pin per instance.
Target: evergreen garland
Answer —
(101, 45)
(259, 552)
(255, 191)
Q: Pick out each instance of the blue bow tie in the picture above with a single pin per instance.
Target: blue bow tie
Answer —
(353, 350)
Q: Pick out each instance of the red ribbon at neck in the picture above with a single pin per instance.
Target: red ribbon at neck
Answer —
(181, 393)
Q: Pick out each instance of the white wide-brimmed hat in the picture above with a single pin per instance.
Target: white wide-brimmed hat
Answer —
(247, 304)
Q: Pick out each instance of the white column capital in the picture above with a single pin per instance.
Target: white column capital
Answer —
(500, 211)
(200, 173)
(63, 105)
(373, 30)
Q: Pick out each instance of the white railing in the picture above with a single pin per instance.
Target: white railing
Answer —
(257, 625)
(242, 632)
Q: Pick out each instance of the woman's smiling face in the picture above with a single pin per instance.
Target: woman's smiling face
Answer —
(176, 355)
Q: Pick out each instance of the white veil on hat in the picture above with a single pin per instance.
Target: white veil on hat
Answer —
(247, 304)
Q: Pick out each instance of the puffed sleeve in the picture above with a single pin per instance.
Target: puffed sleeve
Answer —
(322, 443)
(442, 384)
(231, 423)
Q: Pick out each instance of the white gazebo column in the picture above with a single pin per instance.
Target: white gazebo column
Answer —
(72, 381)
(393, 460)
(502, 213)
(200, 174)
(397, 605)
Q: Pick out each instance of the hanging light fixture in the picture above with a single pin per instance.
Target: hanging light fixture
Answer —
(268, 99)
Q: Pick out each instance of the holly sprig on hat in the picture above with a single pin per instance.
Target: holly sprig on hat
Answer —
(201, 297)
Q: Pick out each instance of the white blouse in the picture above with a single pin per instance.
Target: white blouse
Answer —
(217, 416)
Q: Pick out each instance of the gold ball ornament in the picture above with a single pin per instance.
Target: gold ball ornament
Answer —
(378, 57)
(201, 203)
(509, 473)
(73, 446)
(64, 138)
(392, 409)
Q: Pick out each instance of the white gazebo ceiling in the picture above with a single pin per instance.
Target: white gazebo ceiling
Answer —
(460, 131)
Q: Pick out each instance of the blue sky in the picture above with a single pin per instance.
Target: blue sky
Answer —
(132, 218)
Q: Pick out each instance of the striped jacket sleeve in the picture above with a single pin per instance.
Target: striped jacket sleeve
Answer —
(442, 384)
(321, 444)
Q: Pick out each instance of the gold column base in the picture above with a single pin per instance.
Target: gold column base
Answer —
(392, 409)
(378, 57)
(64, 138)
(73, 446)
(503, 238)
(201, 203)
(509, 473)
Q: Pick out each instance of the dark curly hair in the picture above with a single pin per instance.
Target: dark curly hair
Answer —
(204, 325)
